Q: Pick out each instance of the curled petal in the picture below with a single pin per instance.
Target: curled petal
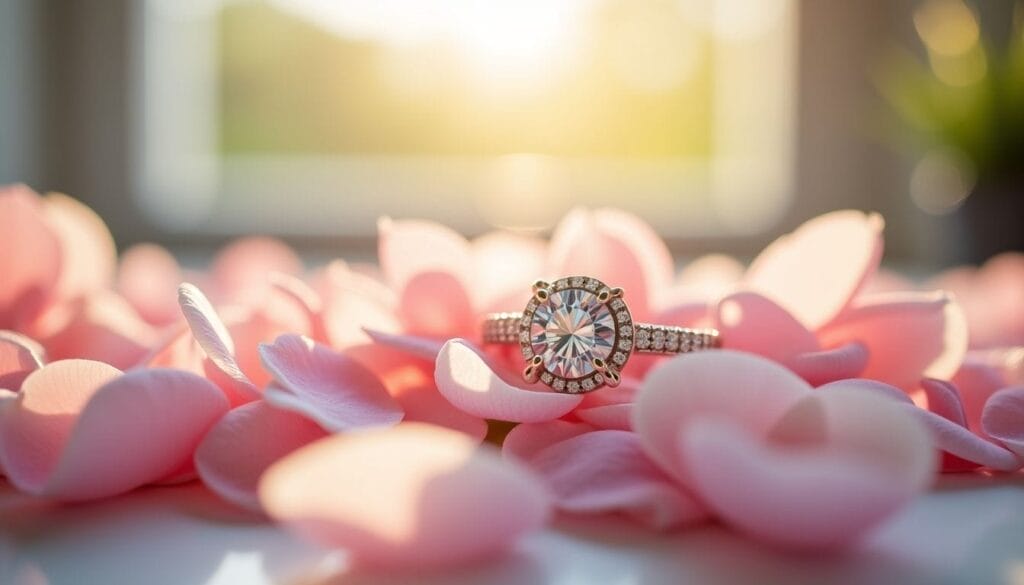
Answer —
(751, 391)
(80, 430)
(415, 345)
(944, 400)
(148, 278)
(411, 247)
(336, 390)
(815, 271)
(89, 257)
(244, 443)
(436, 304)
(436, 499)
(908, 336)
(303, 297)
(469, 382)
(31, 262)
(211, 334)
(19, 357)
(616, 247)
(982, 374)
(822, 367)
(753, 323)
(608, 472)
(817, 496)
(1003, 419)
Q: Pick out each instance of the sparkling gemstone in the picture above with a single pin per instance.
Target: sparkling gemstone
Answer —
(569, 330)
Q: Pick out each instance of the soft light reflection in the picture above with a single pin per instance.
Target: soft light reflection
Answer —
(947, 27)
(962, 69)
(522, 193)
(940, 182)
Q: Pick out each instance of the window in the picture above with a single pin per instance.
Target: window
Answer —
(318, 116)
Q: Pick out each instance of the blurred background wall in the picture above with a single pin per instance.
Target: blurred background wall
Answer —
(723, 123)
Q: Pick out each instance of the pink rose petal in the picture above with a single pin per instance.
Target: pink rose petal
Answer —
(415, 345)
(353, 301)
(19, 357)
(436, 304)
(610, 416)
(526, 440)
(608, 472)
(753, 323)
(102, 327)
(148, 278)
(616, 247)
(241, 269)
(815, 271)
(28, 278)
(411, 247)
(468, 382)
(505, 265)
(89, 257)
(1003, 419)
(211, 334)
(413, 495)
(822, 367)
(303, 297)
(332, 388)
(244, 443)
(751, 391)
(81, 430)
(944, 400)
(982, 374)
(708, 278)
(909, 336)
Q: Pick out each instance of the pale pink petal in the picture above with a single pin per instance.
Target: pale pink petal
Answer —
(241, 268)
(908, 336)
(816, 496)
(610, 416)
(526, 440)
(410, 247)
(418, 346)
(337, 391)
(276, 313)
(244, 443)
(751, 391)
(944, 400)
(425, 404)
(616, 247)
(211, 334)
(815, 271)
(468, 382)
(505, 265)
(608, 472)
(102, 327)
(19, 357)
(687, 314)
(425, 496)
(89, 257)
(31, 262)
(80, 430)
(353, 301)
(963, 449)
(708, 278)
(886, 281)
(1003, 419)
(753, 323)
(303, 297)
(822, 367)
(436, 304)
(982, 374)
(148, 278)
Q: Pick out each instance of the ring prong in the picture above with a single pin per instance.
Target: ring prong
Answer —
(531, 373)
(611, 378)
(616, 292)
(540, 284)
(604, 296)
(600, 365)
(541, 294)
(537, 360)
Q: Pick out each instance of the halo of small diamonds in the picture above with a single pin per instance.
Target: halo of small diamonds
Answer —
(571, 327)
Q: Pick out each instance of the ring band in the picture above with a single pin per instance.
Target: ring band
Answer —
(577, 334)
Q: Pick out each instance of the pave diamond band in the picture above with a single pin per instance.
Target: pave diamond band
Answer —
(576, 334)
(648, 338)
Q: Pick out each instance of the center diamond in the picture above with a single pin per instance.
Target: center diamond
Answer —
(569, 330)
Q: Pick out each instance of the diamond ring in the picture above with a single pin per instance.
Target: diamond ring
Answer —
(577, 334)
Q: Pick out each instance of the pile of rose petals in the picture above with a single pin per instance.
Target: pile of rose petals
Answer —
(351, 402)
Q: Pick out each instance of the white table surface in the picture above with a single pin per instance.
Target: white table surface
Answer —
(969, 529)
